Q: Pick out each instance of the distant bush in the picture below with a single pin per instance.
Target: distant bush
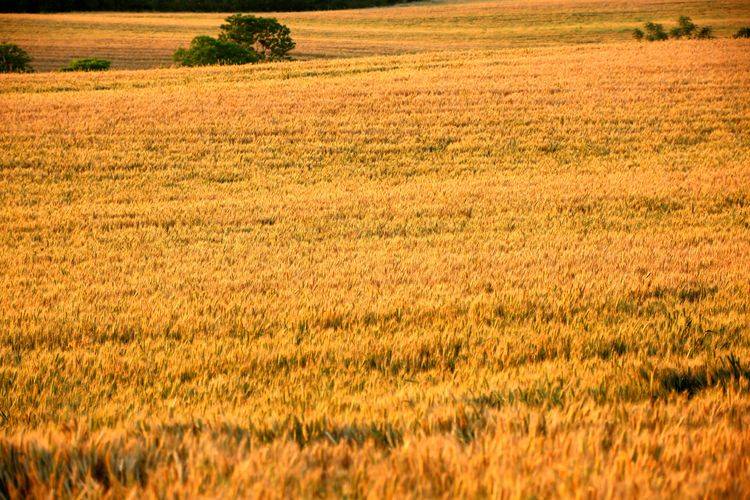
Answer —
(206, 51)
(243, 39)
(270, 39)
(743, 32)
(685, 28)
(655, 32)
(13, 59)
(705, 33)
(87, 64)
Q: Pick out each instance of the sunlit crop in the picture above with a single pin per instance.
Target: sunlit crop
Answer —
(497, 273)
(148, 40)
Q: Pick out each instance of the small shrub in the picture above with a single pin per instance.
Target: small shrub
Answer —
(13, 59)
(685, 28)
(87, 64)
(206, 51)
(705, 33)
(743, 32)
(655, 32)
(264, 35)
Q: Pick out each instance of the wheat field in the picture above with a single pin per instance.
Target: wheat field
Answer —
(508, 272)
(148, 40)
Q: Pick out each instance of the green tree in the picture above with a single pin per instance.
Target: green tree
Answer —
(705, 32)
(685, 28)
(87, 64)
(655, 32)
(13, 59)
(206, 51)
(265, 35)
(743, 32)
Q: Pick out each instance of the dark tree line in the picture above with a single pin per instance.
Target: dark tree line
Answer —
(187, 5)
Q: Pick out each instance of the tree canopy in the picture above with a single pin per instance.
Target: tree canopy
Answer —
(205, 51)
(265, 35)
(13, 59)
(243, 39)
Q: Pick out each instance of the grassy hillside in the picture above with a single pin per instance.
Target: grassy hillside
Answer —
(518, 272)
(149, 40)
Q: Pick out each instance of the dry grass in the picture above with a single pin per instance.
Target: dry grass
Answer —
(487, 273)
(136, 40)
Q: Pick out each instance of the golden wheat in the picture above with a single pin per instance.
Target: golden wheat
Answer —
(484, 273)
(147, 40)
